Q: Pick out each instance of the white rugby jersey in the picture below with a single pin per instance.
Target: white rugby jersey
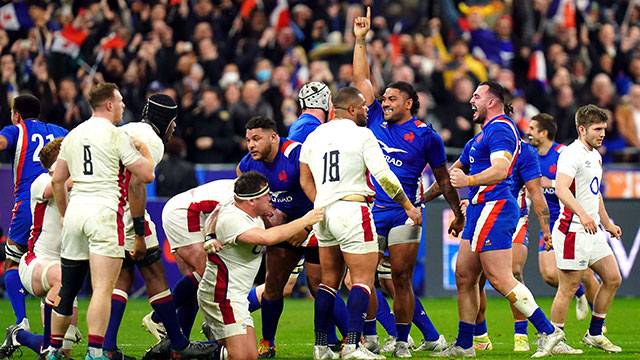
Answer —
(339, 153)
(96, 153)
(237, 264)
(585, 167)
(200, 201)
(45, 237)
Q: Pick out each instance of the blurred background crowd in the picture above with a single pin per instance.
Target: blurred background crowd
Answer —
(227, 60)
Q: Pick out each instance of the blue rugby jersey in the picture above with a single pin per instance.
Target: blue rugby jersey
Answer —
(548, 166)
(302, 127)
(284, 178)
(408, 148)
(526, 169)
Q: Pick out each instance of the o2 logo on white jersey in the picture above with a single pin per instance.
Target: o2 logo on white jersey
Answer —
(257, 250)
(595, 186)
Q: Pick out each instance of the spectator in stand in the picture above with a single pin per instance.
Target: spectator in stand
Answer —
(174, 174)
(457, 127)
(212, 130)
(462, 64)
(70, 109)
(563, 111)
(627, 116)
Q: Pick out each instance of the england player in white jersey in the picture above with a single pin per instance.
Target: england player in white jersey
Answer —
(39, 267)
(94, 155)
(229, 274)
(578, 238)
(334, 164)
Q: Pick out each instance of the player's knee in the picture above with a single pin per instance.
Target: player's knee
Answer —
(401, 278)
(517, 272)
(550, 277)
(612, 282)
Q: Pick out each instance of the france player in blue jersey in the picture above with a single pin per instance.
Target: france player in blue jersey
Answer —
(408, 145)
(315, 102)
(278, 159)
(492, 216)
(542, 131)
(23, 141)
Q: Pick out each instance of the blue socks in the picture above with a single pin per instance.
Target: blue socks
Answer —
(339, 314)
(521, 327)
(254, 303)
(480, 328)
(580, 290)
(369, 327)
(162, 304)
(322, 308)
(403, 331)
(540, 322)
(271, 311)
(597, 321)
(46, 332)
(118, 303)
(423, 322)
(357, 305)
(385, 315)
(30, 340)
(465, 335)
(187, 315)
(16, 293)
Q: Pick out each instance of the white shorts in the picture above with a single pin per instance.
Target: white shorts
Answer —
(150, 235)
(579, 250)
(26, 271)
(175, 222)
(225, 317)
(348, 224)
(94, 229)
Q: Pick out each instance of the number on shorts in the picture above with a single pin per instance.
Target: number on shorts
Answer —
(88, 165)
(331, 166)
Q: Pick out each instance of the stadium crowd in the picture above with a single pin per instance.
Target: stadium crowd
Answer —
(235, 59)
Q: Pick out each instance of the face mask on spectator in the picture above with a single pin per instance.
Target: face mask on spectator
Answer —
(263, 75)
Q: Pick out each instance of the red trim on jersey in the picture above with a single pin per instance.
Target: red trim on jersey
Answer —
(485, 190)
(23, 154)
(313, 241)
(519, 239)
(419, 123)
(30, 256)
(123, 181)
(488, 224)
(147, 229)
(558, 147)
(194, 210)
(569, 252)
(38, 220)
(285, 145)
(193, 279)
(221, 288)
(567, 215)
(366, 223)
(15, 210)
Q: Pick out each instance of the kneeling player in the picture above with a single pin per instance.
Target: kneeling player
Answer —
(229, 273)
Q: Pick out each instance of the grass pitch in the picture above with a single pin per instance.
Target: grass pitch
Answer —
(295, 332)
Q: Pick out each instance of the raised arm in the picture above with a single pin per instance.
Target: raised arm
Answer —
(361, 71)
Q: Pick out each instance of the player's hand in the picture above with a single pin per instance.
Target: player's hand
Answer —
(212, 246)
(458, 178)
(614, 230)
(361, 25)
(274, 217)
(548, 243)
(136, 142)
(314, 216)
(590, 226)
(212, 219)
(464, 204)
(416, 215)
(545, 182)
(139, 248)
(299, 238)
(456, 226)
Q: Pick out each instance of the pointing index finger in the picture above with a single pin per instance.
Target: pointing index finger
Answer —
(368, 13)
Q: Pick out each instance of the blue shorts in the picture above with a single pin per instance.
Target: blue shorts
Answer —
(20, 226)
(386, 218)
(521, 235)
(490, 225)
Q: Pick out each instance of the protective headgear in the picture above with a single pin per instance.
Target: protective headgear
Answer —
(314, 95)
(159, 111)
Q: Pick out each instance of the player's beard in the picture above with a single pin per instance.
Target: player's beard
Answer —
(482, 116)
(361, 119)
(593, 141)
(262, 154)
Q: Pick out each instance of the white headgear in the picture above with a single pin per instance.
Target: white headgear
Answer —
(314, 95)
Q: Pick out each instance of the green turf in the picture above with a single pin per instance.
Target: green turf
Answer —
(295, 333)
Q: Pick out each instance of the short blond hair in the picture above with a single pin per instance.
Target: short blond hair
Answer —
(49, 152)
(590, 114)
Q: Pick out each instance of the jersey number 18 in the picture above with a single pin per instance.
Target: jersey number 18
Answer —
(331, 167)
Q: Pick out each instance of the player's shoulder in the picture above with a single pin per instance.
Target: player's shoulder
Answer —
(289, 148)
(558, 148)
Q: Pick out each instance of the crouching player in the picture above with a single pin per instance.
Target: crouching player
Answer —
(229, 273)
(40, 267)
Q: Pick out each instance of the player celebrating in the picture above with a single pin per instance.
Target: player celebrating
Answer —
(492, 217)
(94, 155)
(333, 172)
(230, 272)
(409, 145)
(578, 240)
(23, 140)
(542, 132)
